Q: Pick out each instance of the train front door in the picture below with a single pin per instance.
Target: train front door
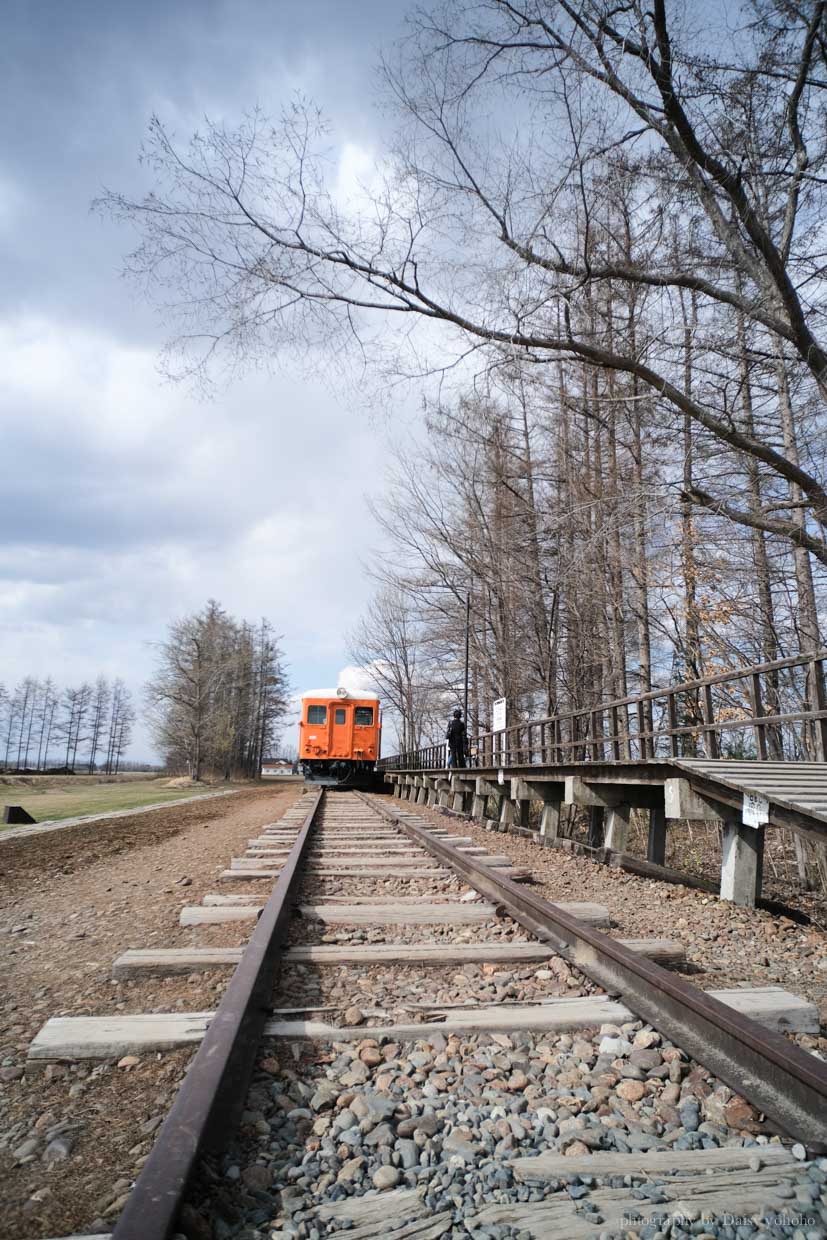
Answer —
(340, 731)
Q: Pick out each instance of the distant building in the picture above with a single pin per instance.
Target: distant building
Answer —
(277, 766)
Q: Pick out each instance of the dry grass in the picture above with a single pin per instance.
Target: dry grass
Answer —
(68, 799)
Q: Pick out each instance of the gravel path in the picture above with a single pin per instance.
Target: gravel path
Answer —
(328, 1128)
(415, 1138)
(73, 1137)
(380, 1138)
(725, 945)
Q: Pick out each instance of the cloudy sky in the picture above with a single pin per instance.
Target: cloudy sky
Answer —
(128, 500)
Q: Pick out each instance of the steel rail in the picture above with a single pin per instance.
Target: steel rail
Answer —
(782, 1081)
(212, 1096)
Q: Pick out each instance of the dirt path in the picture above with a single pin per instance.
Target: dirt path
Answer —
(69, 904)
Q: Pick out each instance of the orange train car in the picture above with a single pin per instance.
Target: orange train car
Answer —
(340, 736)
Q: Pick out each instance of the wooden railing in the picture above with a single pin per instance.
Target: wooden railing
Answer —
(768, 712)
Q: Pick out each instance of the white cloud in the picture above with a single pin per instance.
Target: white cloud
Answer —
(129, 503)
(358, 179)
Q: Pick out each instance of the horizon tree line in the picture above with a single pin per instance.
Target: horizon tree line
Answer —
(45, 727)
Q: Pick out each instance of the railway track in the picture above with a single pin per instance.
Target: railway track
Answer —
(413, 1044)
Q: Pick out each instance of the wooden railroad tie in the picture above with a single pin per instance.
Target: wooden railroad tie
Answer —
(171, 961)
(102, 1037)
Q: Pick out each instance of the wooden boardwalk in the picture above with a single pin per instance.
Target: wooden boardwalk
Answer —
(798, 788)
(746, 797)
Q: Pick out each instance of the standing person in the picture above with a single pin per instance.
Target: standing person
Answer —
(456, 740)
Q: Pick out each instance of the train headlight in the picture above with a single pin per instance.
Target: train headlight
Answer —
(341, 692)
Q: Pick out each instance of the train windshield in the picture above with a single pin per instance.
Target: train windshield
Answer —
(317, 714)
(363, 716)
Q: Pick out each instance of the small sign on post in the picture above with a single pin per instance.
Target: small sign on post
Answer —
(498, 715)
(755, 811)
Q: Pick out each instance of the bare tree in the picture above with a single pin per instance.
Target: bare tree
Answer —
(218, 693)
(386, 644)
(102, 695)
(493, 234)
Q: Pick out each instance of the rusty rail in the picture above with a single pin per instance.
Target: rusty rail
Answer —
(212, 1096)
(785, 1083)
(691, 719)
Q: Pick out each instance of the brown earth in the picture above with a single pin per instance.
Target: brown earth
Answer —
(71, 901)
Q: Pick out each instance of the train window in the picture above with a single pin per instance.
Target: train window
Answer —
(364, 716)
(317, 714)
(340, 715)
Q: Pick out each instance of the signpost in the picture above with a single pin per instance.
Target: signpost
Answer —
(755, 811)
(498, 723)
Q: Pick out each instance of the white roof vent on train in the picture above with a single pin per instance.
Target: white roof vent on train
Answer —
(341, 692)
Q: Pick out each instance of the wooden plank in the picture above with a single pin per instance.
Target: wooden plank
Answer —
(325, 872)
(429, 1227)
(315, 861)
(739, 1192)
(557, 1015)
(246, 875)
(412, 873)
(432, 914)
(172, 961)
(385, 1209)
(664, 951)
(204, 915)
(773, 1007)
(388, 915)
(549, 1166)
(418, 953)
(101, 1037)
(663, 873)
(216, 900)
(591, 914)
(325, 850)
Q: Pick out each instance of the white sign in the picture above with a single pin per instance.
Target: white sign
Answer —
(500, 777)
(498, 712)
(755, 811)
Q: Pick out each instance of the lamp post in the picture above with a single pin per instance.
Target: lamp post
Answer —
(467, 648)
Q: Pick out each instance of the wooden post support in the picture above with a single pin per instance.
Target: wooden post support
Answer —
(742, 863)
(596, 814)
(550, 820)
(506, 813)
(483, 789)
(617, 828)
(461, 789)
(656, 847)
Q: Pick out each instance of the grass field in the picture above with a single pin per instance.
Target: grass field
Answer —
(67, 801)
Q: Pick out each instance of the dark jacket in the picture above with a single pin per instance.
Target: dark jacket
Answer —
(456, 733)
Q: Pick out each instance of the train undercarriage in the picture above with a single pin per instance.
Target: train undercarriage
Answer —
(343, 773)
